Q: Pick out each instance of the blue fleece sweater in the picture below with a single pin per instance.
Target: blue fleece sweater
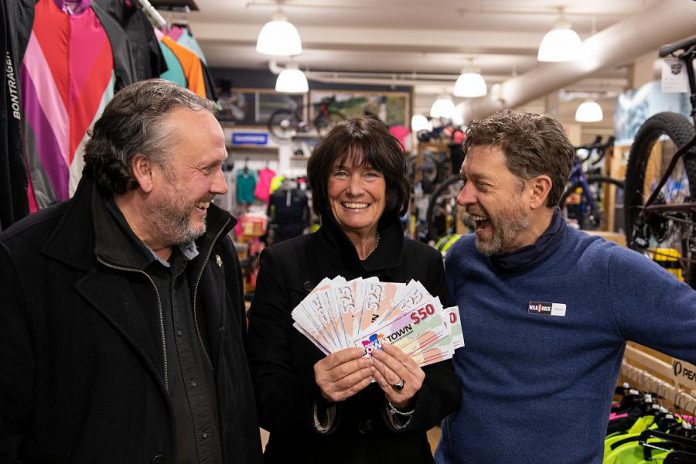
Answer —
(537, 387)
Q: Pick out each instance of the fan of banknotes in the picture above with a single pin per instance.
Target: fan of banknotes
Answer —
(340, 314)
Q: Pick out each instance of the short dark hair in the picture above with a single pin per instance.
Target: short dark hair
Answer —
(135, 122)
(533, 145)
(368, 142)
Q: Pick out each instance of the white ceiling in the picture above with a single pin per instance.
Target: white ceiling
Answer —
(428, 41)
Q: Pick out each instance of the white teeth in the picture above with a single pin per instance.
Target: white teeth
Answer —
(355, 205)
(203, 205)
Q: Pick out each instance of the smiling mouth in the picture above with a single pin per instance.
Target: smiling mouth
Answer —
(480, 221)
(203, 205)
(355, 205)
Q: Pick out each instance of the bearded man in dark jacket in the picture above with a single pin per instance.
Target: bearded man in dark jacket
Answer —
(122, 328)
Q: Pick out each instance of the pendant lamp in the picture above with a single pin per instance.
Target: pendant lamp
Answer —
(279, 37)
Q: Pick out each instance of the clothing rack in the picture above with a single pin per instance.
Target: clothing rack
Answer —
(153, 15)
(682, 399)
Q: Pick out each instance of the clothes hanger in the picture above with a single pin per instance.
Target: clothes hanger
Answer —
(630, 398)
(669, 441)
(72, 7)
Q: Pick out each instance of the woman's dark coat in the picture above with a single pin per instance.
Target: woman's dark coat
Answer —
(282, 359)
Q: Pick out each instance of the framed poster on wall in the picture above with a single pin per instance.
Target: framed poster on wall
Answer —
(390, 107)
(253, 107)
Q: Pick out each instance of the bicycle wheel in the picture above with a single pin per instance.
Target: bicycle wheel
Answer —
(590, 215)
(443, 212)
(324, 123)
(285, 124)
(428, 171)
(659, 233)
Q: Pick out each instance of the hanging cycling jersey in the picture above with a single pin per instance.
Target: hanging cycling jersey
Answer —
(191, 65)
(262, 191)
(148, 60)
(288, 212)
(65, 87)
(246, 184)
(16, 17)
(174, 72)
(189, 41)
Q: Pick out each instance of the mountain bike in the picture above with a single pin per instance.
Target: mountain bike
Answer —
(286, 123)
(430, 171)
(661, 180)
(583, 202)
(444, 215)
(443, 212)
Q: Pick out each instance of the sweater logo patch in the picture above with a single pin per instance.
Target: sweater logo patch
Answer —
(547, 309)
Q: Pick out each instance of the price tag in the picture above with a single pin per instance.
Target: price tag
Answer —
(674, 78)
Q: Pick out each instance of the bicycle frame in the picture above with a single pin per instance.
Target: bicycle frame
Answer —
(578, 175)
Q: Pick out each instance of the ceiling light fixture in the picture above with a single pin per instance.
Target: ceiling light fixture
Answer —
(561, 43)
(589, 111)
(279, 37)
(291, 80)
(443, 107)
(470, 83)
(420, 122)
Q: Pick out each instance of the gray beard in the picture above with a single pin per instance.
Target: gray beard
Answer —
(505, 233)
(172, 223)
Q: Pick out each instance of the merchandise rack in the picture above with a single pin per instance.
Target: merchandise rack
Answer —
(657, 376)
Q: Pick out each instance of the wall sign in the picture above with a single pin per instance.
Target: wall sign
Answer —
(683, 372)
(249, 138)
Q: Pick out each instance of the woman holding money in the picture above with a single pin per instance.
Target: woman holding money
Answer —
(318, 394)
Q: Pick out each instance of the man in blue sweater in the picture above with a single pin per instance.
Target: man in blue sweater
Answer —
(546, 309)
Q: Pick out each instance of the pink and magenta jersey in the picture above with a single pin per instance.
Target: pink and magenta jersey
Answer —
(67, 79)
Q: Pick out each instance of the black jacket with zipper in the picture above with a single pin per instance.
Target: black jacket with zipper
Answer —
(81, 368)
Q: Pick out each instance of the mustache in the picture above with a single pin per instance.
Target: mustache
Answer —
(208, 198)
(476, 211)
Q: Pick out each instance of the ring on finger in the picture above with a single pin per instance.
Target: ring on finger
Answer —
(398, 386)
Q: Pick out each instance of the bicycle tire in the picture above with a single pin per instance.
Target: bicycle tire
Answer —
(284, 124)
(324, 124)
(442, 212)
(660, 231)
(429, 170)
(587, 220)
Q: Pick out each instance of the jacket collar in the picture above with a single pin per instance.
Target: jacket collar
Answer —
(114, 240)
(532, 255)
(387, 255)
(73, 242)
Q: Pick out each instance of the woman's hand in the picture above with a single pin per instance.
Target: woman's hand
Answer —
(397, 374)
(342, 374)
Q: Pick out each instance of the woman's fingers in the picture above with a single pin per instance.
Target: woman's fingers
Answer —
(381, 379)
(400, 356)
(401, 377)
(385, 371)
(340, 357)
(343, 374)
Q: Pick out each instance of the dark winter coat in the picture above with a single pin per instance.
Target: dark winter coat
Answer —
(282, 359)
(81, 370)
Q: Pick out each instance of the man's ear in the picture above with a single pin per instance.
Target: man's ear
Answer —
(540, 189)
(142, 171)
